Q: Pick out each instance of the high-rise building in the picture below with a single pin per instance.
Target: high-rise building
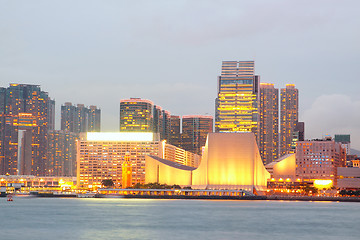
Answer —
(195, 129)
(79, 118)
(344, 139)
(61, 153)
(94, 118)
(26, 116)
(82, 118)
(157, 119)
(136, 115)
(166, 125)
(289, 105)
(68, 117)
(269, 122)
(298, 135)
(175, 135)
(238, 96)
(141, 115)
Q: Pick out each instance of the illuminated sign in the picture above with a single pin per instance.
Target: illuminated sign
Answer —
(121, 136)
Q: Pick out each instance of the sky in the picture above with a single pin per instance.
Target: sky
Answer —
(170, 52)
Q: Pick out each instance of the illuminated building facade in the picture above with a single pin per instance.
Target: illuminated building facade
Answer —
(319, 159)
(26, 115)
(175, 133)
(50, 183)
(195, 129)
(136, 115)
(61, 153)
(230, 161)
(79, 118)
(141, 115)
(269, 122)
(289, 105)
(126, 172)
(238, 97)
(101, 156)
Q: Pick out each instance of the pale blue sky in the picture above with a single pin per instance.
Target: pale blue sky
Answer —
(98, 52)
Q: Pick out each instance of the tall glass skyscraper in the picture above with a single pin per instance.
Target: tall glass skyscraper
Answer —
(26, 116)
(289, 111)
(136, 115)
(238, 97)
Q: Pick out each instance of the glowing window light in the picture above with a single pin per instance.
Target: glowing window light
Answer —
(321, 183)
(121, 136)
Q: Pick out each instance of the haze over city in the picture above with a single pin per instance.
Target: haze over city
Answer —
(98, 52)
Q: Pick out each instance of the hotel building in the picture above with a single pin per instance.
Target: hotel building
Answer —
(319, 159)
(195, 129)
(26, 115)
(269, 123)
(101, 155)
(289, 105)
(238, 97)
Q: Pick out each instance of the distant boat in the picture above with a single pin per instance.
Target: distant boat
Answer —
(10, 198)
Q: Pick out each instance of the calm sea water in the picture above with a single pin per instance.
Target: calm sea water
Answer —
(51, 218)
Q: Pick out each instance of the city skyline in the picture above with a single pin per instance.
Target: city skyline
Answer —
(95, 60)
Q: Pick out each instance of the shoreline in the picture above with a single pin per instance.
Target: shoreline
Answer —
(189, 197)
(255, 198)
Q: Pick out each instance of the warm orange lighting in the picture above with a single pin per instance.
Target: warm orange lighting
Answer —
(280, 179)
(323, 183)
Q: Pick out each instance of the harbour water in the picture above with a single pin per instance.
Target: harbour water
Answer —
(54, 218)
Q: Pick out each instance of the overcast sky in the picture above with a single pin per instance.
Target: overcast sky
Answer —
(98, 52)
